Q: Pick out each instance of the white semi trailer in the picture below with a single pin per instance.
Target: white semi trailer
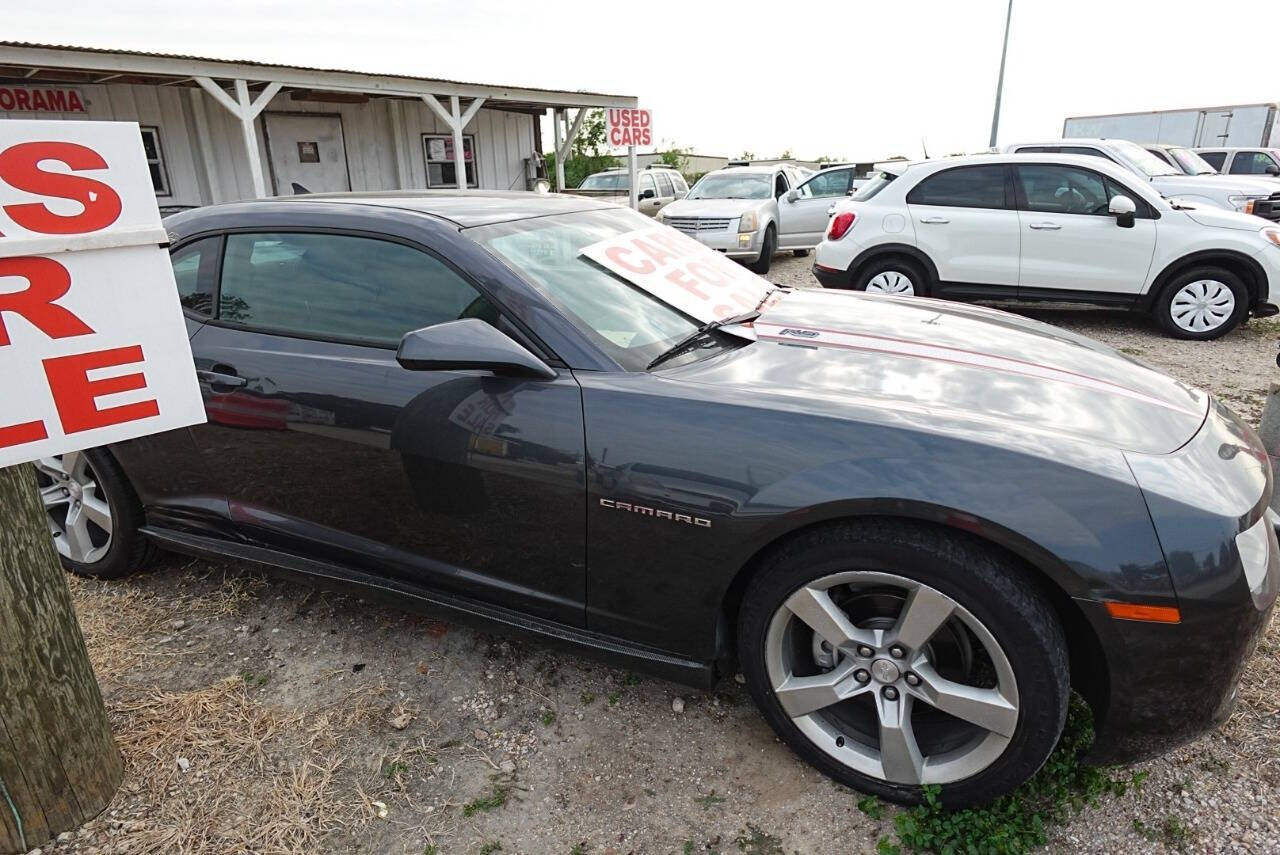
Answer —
(1205, 127)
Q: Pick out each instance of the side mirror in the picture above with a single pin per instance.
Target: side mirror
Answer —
(469, 344)
(1123, 209)
(647, 194)
(1273, 170)
(793, 195)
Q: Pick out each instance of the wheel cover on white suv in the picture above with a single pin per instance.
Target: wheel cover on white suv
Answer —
(891, 282)
(1202, 306)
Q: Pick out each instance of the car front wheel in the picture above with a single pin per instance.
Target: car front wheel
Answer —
(1202, 304)
(93, 514)
(768, 246)
(892, 656)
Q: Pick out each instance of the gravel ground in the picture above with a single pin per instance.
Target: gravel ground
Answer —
(261, 716)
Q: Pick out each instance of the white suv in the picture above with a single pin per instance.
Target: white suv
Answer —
(1051, 227)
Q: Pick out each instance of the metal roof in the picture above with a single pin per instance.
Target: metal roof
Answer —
(50, 56)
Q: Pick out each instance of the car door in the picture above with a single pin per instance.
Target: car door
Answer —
(803, 214)
(964, 220)
(454, 480)
(1069, 240)
(666, 190)
(652, 204)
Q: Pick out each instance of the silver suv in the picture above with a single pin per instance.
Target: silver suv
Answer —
(658, 185)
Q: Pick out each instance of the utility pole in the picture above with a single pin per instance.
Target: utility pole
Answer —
(59, 766)
(1004, 51)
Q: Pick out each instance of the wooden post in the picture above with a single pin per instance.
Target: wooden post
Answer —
(59, 766)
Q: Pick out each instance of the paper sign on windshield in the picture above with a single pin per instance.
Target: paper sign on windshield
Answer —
(681, 272)
(93, 345)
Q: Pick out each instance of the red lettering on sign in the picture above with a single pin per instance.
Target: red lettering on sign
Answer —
(47, 281)
(679, 277)
(654, 252)
(58, 100)
(616, 255)
(22, 433)
(73, 102)
(23, 97)
(20, 168)
(37, 100)
(74, 394)
(707, 274)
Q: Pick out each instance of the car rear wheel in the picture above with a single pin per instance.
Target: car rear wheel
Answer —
(1202, 304)
(93, 514)
(894, 276)
(892, 655)
(767, 248)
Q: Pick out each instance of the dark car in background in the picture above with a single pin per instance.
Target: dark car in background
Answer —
(913, 526)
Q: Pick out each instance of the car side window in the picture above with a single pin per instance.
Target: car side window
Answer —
(963, 187)
(678, 180)
(1214, 158)
(831, 182)
(780, 185)
(646, 183)
(1251, 163)
(665, 187)
(1053, 189)
(195, 270)
(340, 287)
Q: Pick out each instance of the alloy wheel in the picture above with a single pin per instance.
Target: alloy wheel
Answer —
(891, 282)
(892, 678)
(1202, 305)
(76, 507)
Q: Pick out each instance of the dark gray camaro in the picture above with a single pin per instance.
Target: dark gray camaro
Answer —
(912, 525)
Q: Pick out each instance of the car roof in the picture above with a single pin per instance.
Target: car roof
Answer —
(472, 208)
(750, 170)
(1089, 161)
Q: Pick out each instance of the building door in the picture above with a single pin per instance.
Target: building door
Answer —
(306, 153)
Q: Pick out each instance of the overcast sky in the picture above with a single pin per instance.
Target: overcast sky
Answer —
(851, 80)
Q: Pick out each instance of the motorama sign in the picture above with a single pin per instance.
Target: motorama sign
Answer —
(93, 346)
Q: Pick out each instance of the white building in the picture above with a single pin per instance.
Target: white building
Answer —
(218, 130)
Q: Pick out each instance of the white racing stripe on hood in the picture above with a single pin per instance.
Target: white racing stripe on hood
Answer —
(819, 337)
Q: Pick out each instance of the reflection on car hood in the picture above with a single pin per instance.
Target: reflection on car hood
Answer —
(942, 363)
(712, 207)
(1172, 185)
(1207, 215)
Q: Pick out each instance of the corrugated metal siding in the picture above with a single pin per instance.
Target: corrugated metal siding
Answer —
(503, 139)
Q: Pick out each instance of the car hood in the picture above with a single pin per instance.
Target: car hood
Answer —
(946, 366)
(1172, 185)
(1208, 215)
(712, 207)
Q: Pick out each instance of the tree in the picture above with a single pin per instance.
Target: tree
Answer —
(58, 764)
(786, 155)
(747, 155)
(677, 158)
(588, 154)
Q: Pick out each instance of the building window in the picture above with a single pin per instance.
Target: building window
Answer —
(440, 165)
(155, 159)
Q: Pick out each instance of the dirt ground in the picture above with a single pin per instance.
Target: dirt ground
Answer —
(266, 717)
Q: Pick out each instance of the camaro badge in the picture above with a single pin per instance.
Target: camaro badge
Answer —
(656, 513)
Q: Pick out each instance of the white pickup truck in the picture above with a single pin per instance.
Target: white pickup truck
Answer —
(1250, 194)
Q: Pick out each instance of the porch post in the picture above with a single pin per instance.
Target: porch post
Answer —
(559, 143)
(246, 110)
(631, 172)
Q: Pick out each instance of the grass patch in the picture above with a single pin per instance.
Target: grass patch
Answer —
(548, 718)
(491, 847)
(709, 800)
(1172, 832)
(871, 807)
(587, 697)
(753, 841)
(1017, 822)
(483, 804)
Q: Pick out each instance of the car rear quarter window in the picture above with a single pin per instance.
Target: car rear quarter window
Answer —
(665, 187)
(195, 270)
(963, 187)
(1214, 158)
(340, 287)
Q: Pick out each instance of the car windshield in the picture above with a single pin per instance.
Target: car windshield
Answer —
(626, 322)
(1192, 163)
(1146, 162)
(733, 185)
(606, 181)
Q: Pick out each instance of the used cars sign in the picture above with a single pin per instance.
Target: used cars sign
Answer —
(630, 127)
(93, 348)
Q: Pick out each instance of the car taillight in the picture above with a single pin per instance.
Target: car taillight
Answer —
(840, 225)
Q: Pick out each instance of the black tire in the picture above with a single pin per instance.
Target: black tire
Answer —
(1163, 308)
(770, 246)
(893, 264)
(800, 253)
(130, 550)
(990, 586)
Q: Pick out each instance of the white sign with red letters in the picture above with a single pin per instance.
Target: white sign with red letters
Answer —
(681, 272)
(629, 127)
(93, 346)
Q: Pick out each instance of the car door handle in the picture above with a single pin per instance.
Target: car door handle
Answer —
(934, 221)
(1049, 227)
(214, 378)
